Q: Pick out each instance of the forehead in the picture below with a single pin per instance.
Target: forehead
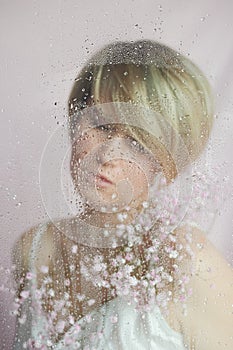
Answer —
(111, 113)
(90, 122)
(116, 120)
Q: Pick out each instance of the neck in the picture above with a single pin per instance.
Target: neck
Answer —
(125, 216)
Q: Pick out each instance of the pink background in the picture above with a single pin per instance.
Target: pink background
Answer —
(44, 45)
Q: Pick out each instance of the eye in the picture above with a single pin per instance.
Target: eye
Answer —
(137, 144)
(106, 127)
(103, 127)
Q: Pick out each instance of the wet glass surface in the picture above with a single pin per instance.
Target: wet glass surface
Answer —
(102, 207)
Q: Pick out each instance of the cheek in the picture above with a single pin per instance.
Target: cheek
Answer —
(83, 148)
(137, 176)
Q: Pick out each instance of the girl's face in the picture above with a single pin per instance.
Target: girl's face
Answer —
(110, 169)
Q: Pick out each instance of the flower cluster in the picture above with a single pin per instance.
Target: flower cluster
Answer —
(145, 277)
(47, 326)
(147, 270)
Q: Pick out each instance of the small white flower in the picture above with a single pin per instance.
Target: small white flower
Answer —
(120, 217)
(38, 344)
(67, 282)
(22, 319)
(71, 319)
(47, 280)
(173, 254)
(138, 227)
(60, 326)
(74, 249)
(72, 267)
(51, 292)
(29, 275)
(49, 342)
(97, 267)
(66, 296)
(88, 318)
(24, 294)
(91, 302)
(44, 269)
(106, 233)
(114, 319)
(80, 297)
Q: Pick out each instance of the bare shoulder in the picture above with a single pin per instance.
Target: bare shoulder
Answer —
(208, 323)
(211, 270)
(21, 249)
(208, 259)
(23, 246)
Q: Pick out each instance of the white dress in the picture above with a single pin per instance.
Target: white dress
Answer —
(133, 329)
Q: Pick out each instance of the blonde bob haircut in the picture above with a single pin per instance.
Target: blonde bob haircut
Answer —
(153, 75)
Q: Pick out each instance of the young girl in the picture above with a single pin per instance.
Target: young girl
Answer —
(132, 271)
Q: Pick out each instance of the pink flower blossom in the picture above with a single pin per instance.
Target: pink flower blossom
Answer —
(25, 294)
(44, 269)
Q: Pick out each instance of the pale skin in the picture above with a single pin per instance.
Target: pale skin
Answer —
(121, 170)
(209, 321)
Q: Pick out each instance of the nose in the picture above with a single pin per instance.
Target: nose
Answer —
(105, 160)
(110, 152)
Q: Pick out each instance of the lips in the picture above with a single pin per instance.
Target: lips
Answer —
(103, 178)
